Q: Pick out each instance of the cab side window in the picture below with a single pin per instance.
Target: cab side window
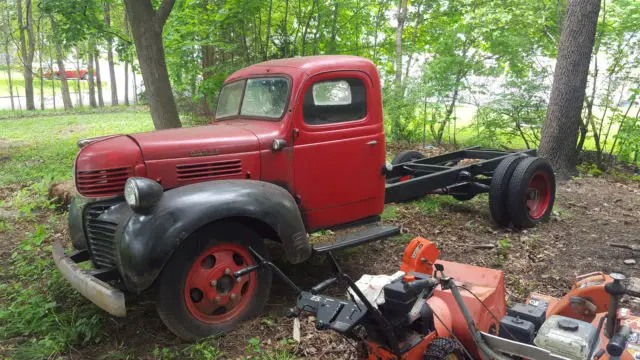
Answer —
(335, 101)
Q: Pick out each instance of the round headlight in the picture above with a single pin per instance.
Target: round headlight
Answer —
(142, 194)
(131, 195)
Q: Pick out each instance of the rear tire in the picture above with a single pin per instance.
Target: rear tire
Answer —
(532, 192)
(406, 156)
(191, 304)
(445, 349)
(499, 188)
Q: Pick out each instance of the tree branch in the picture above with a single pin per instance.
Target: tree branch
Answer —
(162, 14)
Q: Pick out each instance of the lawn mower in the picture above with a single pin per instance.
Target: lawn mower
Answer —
(435, 309)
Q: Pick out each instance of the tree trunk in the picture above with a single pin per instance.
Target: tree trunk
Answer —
(306, 28)
(402, 13)
(146, 25)
(92, 87)
(135, 85)
(285, 29)
(126, 63)
(413, 39)
(7, 57)
(375, 31)
(208, 62)
(334, 29)
(317, 29)
(96, 58)
(64, 85)
(560, 130)
(78, 87)
(41, 73)
(126, 83)
(112, 70)
(27, 48)
(53, 84)
(268, 38)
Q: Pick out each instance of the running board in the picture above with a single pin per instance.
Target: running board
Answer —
(372, 233)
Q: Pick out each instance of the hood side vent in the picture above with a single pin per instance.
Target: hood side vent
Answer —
(99, 183)
(211, 170)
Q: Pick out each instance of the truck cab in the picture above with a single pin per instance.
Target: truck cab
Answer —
(296, 145)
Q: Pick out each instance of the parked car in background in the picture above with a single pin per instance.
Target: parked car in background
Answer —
(70, 74)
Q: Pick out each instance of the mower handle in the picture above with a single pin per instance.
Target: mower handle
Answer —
(323, 285)
(419, 285)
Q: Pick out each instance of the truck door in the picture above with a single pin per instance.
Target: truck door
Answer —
(339, 149)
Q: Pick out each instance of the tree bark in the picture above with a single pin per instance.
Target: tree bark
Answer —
(560, 130)
(27, 48)
(41, 73)
(402, 13)
(146, 25)
(7, 57)
(64, 85)
(112, 69)
(126, 63)
(376, 29)
(268, 38)
(334, 29)
(96, 58)
(92, 87)
(78, 87)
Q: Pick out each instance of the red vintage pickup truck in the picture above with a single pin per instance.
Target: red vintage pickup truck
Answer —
(297, 145)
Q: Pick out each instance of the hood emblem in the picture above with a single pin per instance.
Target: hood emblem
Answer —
(204, 153)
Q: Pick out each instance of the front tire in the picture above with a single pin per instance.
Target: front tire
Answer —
(197, 296)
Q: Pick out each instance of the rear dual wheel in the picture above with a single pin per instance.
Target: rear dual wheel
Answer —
(198, 295)
(522, 191)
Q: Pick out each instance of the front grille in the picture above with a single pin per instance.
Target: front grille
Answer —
(100, 236)
(212, 170)
(99, 183)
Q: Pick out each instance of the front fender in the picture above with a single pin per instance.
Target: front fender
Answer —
(147, 241)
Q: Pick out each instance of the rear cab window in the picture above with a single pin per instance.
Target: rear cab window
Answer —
(335, 101)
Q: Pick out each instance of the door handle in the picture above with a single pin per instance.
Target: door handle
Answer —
(372, 142)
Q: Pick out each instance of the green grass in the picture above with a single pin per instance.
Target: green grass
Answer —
(43, 148)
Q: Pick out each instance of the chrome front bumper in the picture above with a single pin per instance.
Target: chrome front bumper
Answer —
(97, 291)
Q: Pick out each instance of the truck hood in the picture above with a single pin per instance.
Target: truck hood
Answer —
(205, 140)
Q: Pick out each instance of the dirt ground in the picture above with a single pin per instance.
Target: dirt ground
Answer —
(589, 214)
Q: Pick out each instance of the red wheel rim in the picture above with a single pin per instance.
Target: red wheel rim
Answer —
(538, 195)
(211, 293)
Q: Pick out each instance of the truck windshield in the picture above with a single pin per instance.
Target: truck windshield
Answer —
(257, 97)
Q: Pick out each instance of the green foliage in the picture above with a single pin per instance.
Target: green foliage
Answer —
(40, 306)
(254, 351)
(589, 169)
(517, 112)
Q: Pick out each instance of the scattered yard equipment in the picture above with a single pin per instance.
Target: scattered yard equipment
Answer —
(297, 146)
(436, 310)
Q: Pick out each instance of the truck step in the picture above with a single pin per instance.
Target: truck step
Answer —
(362, 236)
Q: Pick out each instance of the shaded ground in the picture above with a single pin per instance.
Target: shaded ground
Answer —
(590, 213)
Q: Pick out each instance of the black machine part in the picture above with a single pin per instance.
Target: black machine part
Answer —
(339, 315)
(517, 329)
(615, 290)
(534, 314)
(400, 296)
(618, 342)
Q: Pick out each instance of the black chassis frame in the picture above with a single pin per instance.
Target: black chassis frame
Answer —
(441, 175)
